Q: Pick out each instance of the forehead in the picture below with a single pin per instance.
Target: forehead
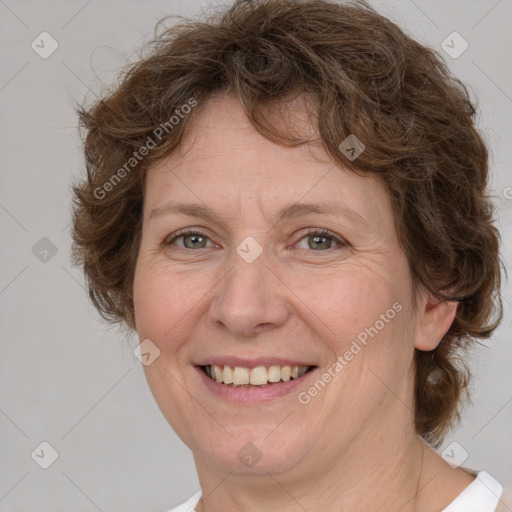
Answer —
(225, 162)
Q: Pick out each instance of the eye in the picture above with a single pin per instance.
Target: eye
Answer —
(321, 239)
(191, 239)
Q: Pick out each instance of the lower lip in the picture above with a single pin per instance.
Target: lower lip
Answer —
(251, 395)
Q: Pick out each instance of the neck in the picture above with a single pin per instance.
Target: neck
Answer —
(386, 474)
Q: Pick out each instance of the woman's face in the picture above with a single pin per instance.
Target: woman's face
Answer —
(258, 285)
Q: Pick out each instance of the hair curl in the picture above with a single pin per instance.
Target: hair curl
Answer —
(368, 78)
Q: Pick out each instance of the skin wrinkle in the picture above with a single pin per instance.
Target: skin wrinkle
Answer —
(307, 454)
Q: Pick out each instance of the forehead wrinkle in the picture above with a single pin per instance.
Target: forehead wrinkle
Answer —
(288, 211)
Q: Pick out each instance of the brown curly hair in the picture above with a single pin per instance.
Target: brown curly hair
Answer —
(366, 77)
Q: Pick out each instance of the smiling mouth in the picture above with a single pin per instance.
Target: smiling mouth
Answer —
(260, 376)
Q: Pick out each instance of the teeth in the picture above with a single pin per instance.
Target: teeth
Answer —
(240, 376)
(274, 374)
(227, 375)
(259, 376)
(303, 370)
(217, 373)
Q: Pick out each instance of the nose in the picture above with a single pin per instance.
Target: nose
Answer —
(250, 299)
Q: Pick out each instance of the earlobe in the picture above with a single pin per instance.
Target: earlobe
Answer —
(433, 322)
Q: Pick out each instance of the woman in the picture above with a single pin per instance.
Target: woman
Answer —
(287, 202)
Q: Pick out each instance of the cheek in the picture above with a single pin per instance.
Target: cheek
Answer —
(166, 301)
(352, 301)
(369, 325)
(155, 308)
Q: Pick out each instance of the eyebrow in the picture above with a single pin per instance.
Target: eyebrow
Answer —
(287, 212)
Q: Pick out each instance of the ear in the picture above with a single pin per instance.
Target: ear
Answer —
(434, 318)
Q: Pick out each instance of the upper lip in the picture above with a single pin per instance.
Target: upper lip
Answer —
(233, 361)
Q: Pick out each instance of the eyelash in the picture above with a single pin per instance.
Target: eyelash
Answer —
(311, 231)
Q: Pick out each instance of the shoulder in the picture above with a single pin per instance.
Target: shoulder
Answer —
(189, 505)
(482, 495)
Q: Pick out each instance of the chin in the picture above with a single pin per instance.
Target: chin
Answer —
(245, 455)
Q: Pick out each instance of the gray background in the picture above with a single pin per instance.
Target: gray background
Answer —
(69, 379)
